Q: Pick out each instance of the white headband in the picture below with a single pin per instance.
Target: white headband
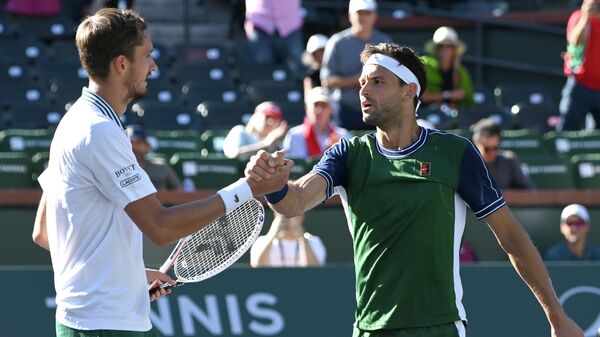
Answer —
(396, 67)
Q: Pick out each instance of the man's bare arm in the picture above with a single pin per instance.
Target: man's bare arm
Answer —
(529, 265)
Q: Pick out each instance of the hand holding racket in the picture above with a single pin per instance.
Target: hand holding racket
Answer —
(215, 247)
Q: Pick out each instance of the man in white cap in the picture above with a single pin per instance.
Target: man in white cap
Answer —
(318, 132)
(341, 64)
(312, 58)
(574, 226)
(448, 80)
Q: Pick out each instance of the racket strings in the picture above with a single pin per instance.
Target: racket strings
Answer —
(218, 245)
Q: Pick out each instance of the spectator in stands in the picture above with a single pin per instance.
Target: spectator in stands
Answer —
(274, 31)
(581, 93)
(448, 80)
(574, 226)
(318, 133)
(264, 131)
(33, 7)
(287, 245)
(341, 62)
(162, 176)
(503, 165)
(467, 252)
(312, 58)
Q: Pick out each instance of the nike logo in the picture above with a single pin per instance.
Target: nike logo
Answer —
(236, 198)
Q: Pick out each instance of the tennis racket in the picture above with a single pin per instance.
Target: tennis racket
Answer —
(215, 247)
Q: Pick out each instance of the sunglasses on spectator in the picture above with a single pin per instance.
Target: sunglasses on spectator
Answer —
(490, 149)
(577, 224)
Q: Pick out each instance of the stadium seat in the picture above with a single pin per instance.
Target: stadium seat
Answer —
(573, 142)
(22, 94)
(46, 29)
(63, 51)
(15, 73)
(25, 140)
(208, 53)
(194, 93)
(63, 93)
(204, 73)
(16, 170)
(587, 169)
(466, 117)
(159, 116)
(484, 97)
(7, 29)
(293, 112)
(212, 141)
(33, 116)
(279, 91)
(163, 92)
(169, 142)
(441, 120)
(548, 171)
(212, 171)
(523, 142)
(222, 115)
(540, 118)
(508, 95)
(275, 73)
(21, 50)
(63, 73)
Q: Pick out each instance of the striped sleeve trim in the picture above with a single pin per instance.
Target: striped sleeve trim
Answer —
(328, 179)
(491, 208)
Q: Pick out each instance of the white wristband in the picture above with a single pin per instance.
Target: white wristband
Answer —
(235, 195)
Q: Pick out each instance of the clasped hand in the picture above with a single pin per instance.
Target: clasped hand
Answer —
(268, 172)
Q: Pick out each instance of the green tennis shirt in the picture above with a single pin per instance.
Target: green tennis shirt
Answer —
(406, 210)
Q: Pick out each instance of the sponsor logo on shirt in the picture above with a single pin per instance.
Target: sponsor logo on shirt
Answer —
(425, 169)
(128, 181)
(125, 171)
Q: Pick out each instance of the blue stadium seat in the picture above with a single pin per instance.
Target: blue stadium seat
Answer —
(32, 116)
(204, 73)
(508, 95)
(222, 115)
(537, 117)
(15, 73)
(279, 91)
(158, 116)
(21, 50)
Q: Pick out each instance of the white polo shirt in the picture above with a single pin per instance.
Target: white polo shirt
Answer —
(96, 249)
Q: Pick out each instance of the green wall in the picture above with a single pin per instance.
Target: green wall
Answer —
(316, 302)
(328, 222)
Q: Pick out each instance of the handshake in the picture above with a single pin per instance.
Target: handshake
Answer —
(268, 172)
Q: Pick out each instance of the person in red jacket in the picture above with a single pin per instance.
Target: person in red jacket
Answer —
(581, 93)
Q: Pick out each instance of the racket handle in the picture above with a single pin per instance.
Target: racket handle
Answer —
(165, 286)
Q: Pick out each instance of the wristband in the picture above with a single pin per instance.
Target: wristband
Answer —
(235, 195)
(276, 197)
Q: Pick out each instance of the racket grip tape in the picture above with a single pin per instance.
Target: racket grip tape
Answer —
(165, 286)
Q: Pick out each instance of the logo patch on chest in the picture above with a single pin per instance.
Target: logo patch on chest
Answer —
(425, 169)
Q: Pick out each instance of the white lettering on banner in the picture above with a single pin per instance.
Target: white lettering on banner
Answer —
(592, 330)
(163, 321)
(211, 320)
(233, 312)
(253, 306)
(257, 305)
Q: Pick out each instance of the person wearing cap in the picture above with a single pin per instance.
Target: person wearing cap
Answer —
(274, 32)
(449, 81)
(503, 165)
(574, 226)
(265, 130)
(406, 191)
(161, 174)
(318, 133)
(312, 58)
(341, 64)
